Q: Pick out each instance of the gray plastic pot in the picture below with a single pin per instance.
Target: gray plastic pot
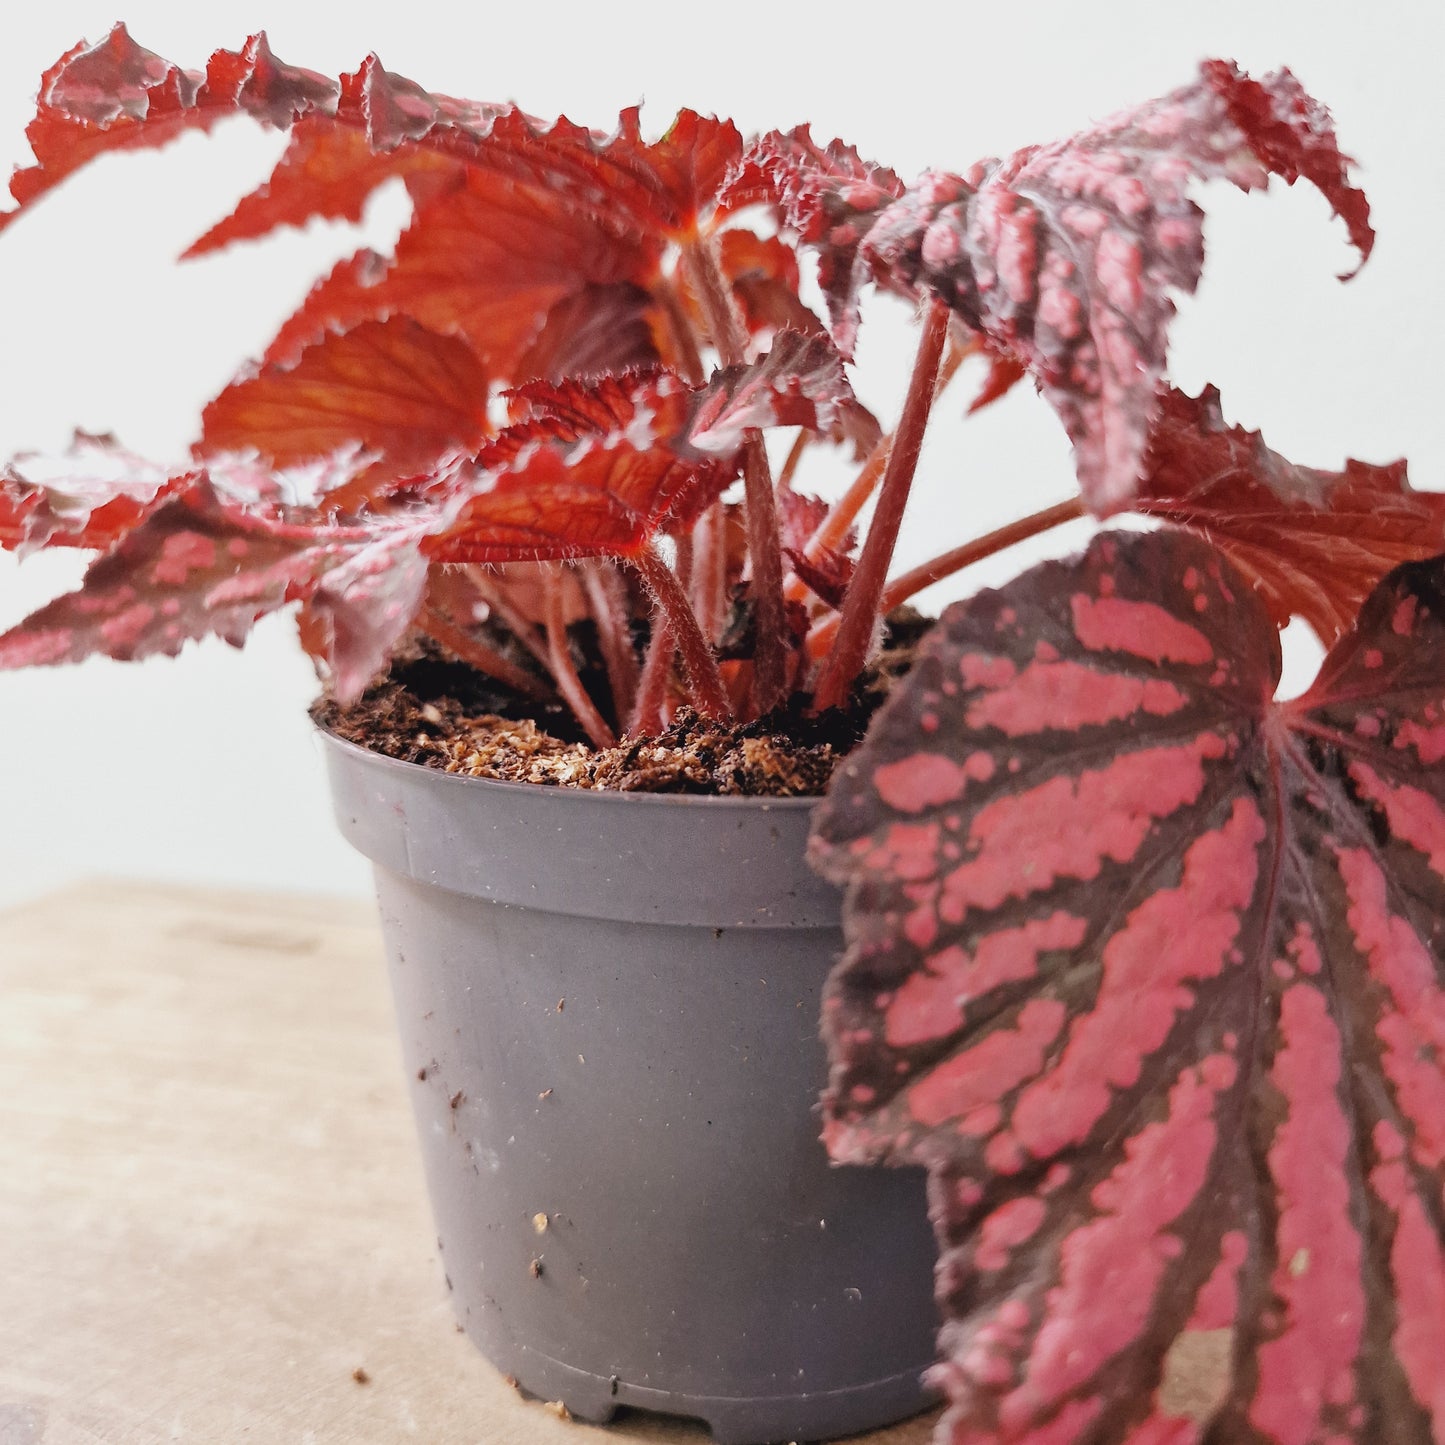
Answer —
(609, 1014)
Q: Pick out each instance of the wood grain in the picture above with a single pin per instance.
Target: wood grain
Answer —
(211, 1209)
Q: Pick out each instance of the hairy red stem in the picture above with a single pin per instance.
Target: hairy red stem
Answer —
(710, 566)
(865, 592)
(770, 663)
(844, 512)
(485, 659)
(704, 680)
(607, 599)
(564, 669)
(947, 563)
(646, 719)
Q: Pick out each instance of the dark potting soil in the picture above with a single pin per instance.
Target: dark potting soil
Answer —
(441, 713)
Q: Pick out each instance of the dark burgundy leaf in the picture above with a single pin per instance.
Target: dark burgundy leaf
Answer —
(200, 566)
(1313, 543)
(830, 196)
(360, 608)
(88, 497)
(404, 399)
(598, 469)
(1065, 255)
(1148, 969)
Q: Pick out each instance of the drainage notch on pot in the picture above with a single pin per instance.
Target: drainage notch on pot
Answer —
(609, 1012)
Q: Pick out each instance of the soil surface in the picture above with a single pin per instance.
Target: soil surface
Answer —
(443, 714)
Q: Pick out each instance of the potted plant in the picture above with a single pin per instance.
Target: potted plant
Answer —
(1142, 965)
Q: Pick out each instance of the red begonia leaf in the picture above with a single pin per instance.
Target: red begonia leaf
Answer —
(328, 171)
(488, 261)
(829, 572)
(1150, 970)
(1064, 255)
(88, 497)
(335, 161)
(601, 467)
(597, 331)
(512, 217)
(1004, 373)
(119, 96)
(764, 276)
(541, 219)
(799, 382)
(405, 398)
(598, 468)
(1312, 542)
(830, 196)
(201, 566)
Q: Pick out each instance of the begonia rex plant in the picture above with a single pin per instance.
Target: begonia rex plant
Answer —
(1145, 966)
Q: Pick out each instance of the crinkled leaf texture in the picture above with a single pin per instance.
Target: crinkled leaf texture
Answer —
(1147, 968)
(517, 224)
(601, 467)
(596, 469)
(1313, 542)
(799, 382)
(1064, 255)
(200, 565)
(830, 196)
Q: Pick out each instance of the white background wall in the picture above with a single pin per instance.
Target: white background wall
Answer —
(203, 768)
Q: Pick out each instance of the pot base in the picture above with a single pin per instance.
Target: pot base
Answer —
(824, 1415)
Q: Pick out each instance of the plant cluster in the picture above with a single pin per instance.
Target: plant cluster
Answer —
(1145, 966)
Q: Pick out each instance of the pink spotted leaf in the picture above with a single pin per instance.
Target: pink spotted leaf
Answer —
(88, 497)
(1064, 256)
(200, 565)
(1147, 968)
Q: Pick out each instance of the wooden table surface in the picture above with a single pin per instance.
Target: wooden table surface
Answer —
(211, 1205)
